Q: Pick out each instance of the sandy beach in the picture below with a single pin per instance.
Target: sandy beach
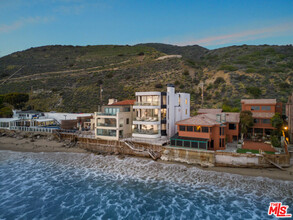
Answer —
(45, 144)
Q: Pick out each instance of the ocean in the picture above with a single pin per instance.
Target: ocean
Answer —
(88, 186)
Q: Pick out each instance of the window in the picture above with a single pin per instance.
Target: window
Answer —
(185, 111)
(232, 126)
(266, 108)
(186, 101)
(179, 100)
(266, 121)
(189, 128)
(205, 129)
(255, 120)
(222, 130)
(197, 129)
(127, 121)
(255, 108)
(181, 127)
(222, 143)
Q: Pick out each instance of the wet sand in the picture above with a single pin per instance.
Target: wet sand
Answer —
(45, 145)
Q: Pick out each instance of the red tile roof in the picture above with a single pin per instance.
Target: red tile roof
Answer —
(209, 110)
(259, 101)
(125, 102)
(200, 120)
(210, 119)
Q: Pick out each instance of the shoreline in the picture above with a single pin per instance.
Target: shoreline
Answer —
(45, 145)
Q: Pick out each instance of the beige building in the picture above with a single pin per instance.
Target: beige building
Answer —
(115, 120)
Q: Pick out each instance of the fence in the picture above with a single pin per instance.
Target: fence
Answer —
(34, 129)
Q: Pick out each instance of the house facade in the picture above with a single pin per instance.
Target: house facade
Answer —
(207, 131)
(157, 112)
(262, 112)
(114, 121)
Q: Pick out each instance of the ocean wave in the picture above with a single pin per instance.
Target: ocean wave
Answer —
(88, 186)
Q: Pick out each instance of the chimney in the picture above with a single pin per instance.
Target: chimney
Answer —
(111, 101)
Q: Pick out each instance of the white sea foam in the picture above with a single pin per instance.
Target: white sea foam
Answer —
(69, 185)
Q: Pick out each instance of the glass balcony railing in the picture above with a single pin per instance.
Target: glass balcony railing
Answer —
(137, 131)
(148, 119)
(146, 103)
(106, 114)
(106, 125)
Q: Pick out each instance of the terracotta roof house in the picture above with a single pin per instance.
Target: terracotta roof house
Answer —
(207, 131)
(262, 112)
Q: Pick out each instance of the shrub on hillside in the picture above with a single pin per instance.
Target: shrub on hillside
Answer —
(228, 67)
(254, 91)
(159, 86)
(219, 80)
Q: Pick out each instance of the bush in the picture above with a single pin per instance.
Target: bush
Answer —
(181, 86)
(186, 73)
(254, 91)
(109, 75)
(275, 141)
(5, 112)
(228, 67)
(176, 82)
(219, 80)
(140, 54)
(159, 86)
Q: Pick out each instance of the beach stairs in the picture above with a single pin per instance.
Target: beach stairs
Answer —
(131, 145)
(273, 163)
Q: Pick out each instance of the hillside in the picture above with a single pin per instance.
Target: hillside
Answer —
(68, 78)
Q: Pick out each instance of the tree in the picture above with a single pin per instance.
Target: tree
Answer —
(246, 121)
(5, 112)
(277, 122)
(17, 100)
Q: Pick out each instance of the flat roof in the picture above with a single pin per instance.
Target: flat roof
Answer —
(209, 110)
(259, 101)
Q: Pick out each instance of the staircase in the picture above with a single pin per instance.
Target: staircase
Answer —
(131, 145)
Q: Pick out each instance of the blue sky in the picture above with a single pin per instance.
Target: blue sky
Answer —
(209, 23)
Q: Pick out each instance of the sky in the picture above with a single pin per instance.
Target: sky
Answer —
(208, 23)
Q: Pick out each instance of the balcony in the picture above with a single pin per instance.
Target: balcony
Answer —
(147, 119)
(147, 103)
(148, 132)
(106, 114)
(106, 125)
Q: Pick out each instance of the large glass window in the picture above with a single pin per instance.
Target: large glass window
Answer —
(106, 132)
(189, 128)
(232, 126)
(222, 131)
(111, 111)
(266, 108)
(148, 100)
(106, 122)
(181, 127)
(255, 108)
(266, 121)
(205, 129)
(147, 115)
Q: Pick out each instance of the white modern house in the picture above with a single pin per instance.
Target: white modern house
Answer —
(157, 112)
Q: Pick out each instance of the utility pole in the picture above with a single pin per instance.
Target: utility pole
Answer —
(201, 84)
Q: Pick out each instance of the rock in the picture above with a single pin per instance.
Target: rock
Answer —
(121, 156)
(166, 152)
(32, 140)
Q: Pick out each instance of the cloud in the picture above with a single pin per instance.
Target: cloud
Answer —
(5, 28)
(241, 36)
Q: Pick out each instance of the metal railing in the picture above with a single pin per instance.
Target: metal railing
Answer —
(34, 129)
(146, 103)
(137, 131)
(149, 119)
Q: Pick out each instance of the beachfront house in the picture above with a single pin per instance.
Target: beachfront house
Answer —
(208, 131)
(157, 112)
(262, 112)
(115, 120)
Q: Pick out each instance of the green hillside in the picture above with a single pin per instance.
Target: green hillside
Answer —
(68, 78)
